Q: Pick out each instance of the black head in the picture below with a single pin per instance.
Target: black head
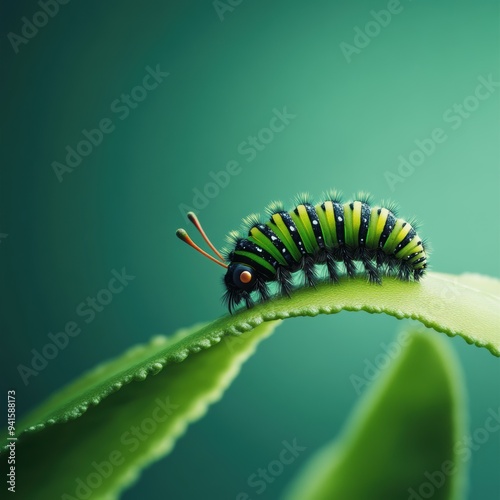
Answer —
(240, 280)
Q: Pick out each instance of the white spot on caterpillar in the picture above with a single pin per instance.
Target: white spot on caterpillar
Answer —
(284, 250)
(315, 222)
(273, 238)
(292, 228)
(259, 249)
(339, 218)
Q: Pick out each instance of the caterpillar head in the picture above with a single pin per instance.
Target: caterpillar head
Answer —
(240, 281)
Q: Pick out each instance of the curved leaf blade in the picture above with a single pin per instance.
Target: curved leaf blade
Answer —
(456, 305)
(103, 451)
(466, 305)
(400, 443)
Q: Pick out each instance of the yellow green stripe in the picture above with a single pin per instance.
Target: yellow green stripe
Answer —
(283, 233)
(262, 240)
(373, 235)
(304, 217)
(382, 219)
(356, 221)
(257, 259)
(332, 226)
(418, 256)
(302, 233)
(325, 229)
(420, 253)
(412, 247)
(393, 240)
(348, 229)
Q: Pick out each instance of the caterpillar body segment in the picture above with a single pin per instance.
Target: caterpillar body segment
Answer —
(330, 233)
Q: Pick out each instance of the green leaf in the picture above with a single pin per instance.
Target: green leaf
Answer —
(108, 445)
(466, 305)
(456, 305)
(400, 442)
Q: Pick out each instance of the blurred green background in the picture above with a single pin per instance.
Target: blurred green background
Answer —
(353, 118)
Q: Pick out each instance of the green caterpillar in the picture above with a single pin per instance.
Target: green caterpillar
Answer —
(327, 233)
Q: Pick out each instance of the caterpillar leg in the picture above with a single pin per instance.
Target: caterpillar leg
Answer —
(404, 271)
(248, 300)
(263, 290)
(348, 261)
(307, 266)
(331, 266)
(380, 258)
(370, 267)
(284, 278)
(387, 262)
(417, 274)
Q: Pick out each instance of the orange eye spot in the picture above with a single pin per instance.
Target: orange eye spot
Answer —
(246, 277)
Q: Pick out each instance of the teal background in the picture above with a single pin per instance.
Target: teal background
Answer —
(120, 206)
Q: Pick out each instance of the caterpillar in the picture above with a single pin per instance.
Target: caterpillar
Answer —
(328, 233)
